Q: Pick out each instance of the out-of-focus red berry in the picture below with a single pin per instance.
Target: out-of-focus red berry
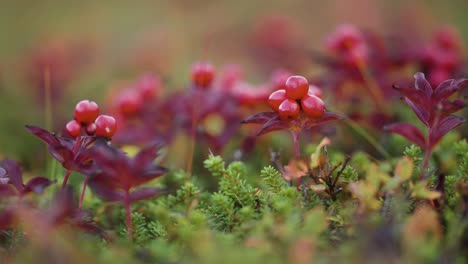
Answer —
(289, 110)
(203, 74)
(106, 126)
(279, 78)
(313, 106)
(149, 86)
(129, 103)
(276, 98)
(90, 129)
(314, 90)
(73, 128)
(296, 87)
(86, 111)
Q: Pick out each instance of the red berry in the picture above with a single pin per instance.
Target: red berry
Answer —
(73, 128)
(203, 74)
(129, 102)
(90, 129)
(106, 126)
(314, 90)
(149, 86)
(296, 87)
(288, 110)
(313, 106)
(86, 111)
(276, 98)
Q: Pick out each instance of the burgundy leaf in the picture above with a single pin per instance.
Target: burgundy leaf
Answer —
(7, 219)
(409, 132)
(422, 84)
(326, 118)
(13, 172)
(6, 190)
(452, 107)
(147, 155)
(447, 88)
(421, 113)
(259, 118)
(273, 124)
(443, 127)
(43, 134)
(37, 185)
(145, 193)
(62, 207)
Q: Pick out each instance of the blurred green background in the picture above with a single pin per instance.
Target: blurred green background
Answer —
(118, 40)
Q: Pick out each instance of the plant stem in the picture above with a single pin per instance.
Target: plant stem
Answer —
(372, 86)
(85, 182)
(297, 152)
(65, 179)
(368, 137)
(128, 215)
(427, 157)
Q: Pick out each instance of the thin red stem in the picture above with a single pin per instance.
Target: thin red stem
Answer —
(83, 190)
(297, 152)
(65, 179)
(128, 214)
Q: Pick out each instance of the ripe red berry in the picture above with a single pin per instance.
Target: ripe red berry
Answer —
(276, 98)
(202, 74)
(73, 128)
(289, 110)
(86, 111)
(296, 87)
(129, 102)
(314, 90)
(149, 86)
(313, 106)
(90, 129)
(106, 126)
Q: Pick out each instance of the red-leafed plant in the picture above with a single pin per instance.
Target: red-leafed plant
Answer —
(118, 176)
(298, 107)
(434, 109)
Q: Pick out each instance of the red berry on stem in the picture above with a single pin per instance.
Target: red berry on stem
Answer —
(86, 111)
(106, 126)
(289, 110)
(73, 128)
(296, 87)
(129, 102)
(276, 98)
(202, 74)
(313, 106)
(90, 129)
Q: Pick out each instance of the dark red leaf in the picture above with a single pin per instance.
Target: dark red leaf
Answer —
(7, 219)
(43, 134)
(421, 113)
(273, 124)
(422, 84)
(37, 185)
(147, 155)
(409, 132)
(13, 172)
(6, 190)
(145, 193)
(447, 88)
(326, 118)
(260, 118)
(443, 127)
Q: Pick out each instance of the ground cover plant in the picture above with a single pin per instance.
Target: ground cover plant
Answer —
(352, 153)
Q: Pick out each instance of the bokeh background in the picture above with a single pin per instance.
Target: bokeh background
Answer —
(104, 42)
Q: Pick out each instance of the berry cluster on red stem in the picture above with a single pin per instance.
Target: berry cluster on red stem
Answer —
(87, 119)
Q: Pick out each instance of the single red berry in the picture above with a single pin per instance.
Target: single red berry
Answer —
(314, 90)
(106, 126)
(313, 106)
(73, 128)
(202, 74)
(289, 110)
(276, 98)
(129, 102)
(149, 86)
(86, 111)
(296, 87)
(90, 129)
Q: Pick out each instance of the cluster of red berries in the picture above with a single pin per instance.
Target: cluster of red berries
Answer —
(131, 100)
(348, 43)
(298, 95)
(87, 118)
(202, 74)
